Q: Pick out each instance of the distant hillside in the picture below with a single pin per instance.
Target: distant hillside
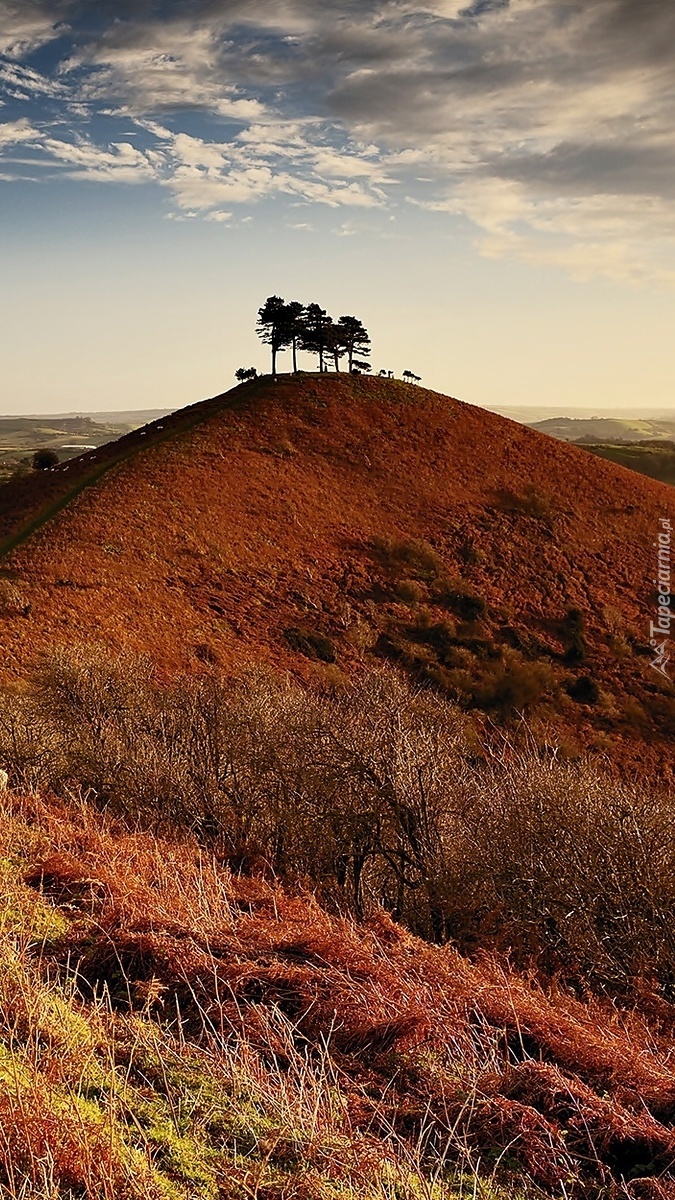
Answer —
(67, 434)
(605, 429)
(322, 524)
(655, 459)
(20, 437)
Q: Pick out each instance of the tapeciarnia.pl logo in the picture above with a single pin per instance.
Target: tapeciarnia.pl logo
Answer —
(659, 631)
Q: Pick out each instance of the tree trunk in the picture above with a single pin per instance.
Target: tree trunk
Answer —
(274, 359)
(295, 355)
(337, 361)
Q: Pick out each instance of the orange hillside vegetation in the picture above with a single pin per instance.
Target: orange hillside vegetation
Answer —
(335, 518)
(171, 1031)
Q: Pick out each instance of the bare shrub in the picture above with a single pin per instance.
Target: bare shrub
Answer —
(375, 794)
(408, 559)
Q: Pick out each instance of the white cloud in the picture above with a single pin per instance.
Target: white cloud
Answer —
(549, 125)
(24, 25)
(13, 133)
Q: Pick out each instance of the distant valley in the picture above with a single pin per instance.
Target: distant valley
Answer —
(67, 435)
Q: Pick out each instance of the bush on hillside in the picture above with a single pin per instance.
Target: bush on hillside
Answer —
(531, 503)
(574, 631)
(43, 460)
(374, 792)
(311, 644)
(408, 559)
(584, 690)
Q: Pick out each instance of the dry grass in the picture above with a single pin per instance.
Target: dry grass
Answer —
(374, 795)
(169, 1030)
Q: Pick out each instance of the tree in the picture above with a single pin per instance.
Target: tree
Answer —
(44, 459)
(359, 367)
(335, 343)
(314, 335)
(245, 373)
(294, 319)
(354, 338)
(273, 326)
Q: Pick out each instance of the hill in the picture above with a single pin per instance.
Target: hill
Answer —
(67, 434)
(655, 459)
(605, 429)
(322, 523)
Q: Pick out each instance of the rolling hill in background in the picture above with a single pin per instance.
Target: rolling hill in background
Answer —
(323, 523)
(605, 429)
(67, 435)
(655, 459)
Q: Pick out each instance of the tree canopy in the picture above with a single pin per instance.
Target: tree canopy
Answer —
(309, 327)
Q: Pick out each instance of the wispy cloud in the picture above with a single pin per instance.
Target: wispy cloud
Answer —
(25, 25)
(549, 125)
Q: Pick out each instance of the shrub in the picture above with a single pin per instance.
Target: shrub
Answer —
(373, 793)
(312, 645)
(532, 502)
(42, 460)
(465, 604)
(584, 690)
(410, 592)
(574, 629)
(12, 600)
(412, 559)
(513, 686)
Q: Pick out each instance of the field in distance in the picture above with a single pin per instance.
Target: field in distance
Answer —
(67, 435)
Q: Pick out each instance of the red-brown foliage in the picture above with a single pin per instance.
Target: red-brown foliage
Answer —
(577, 1092)
(203, 544)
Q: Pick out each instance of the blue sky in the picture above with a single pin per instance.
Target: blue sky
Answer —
(489, 186)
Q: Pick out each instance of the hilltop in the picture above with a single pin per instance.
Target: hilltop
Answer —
(322, 523)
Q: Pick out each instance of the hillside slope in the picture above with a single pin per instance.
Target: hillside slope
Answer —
(169, 1031)
(283, 522)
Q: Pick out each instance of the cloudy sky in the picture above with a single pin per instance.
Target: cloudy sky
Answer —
(490, 186)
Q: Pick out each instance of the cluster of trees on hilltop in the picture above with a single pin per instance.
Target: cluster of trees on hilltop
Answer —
(295, 326)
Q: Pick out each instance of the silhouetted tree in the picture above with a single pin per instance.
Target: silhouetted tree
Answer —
(354, 338)
(273, 326)
(294, 320)
(314, 334)
(358, 367)
(245, 373)
(411, 377)
(335, 343)
(42, 460)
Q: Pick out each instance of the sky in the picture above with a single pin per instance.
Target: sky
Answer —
(488, 185)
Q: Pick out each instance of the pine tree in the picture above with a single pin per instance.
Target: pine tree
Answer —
(273, 326)
(354, 339)
(294, 319)
(314, 335)
(335, 342)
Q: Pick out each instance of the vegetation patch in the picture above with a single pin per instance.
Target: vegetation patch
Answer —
(531, 502)
(311, 644)
(584, 690)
